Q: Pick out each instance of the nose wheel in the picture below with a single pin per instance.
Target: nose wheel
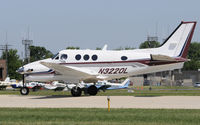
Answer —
(24, 91)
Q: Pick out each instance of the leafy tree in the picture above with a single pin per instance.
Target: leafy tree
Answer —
(13, 62)
(98, 48)
(149, 44)
(125, 48)
(191, 65)
(38, 53)
(129, 48)
(194, 56)
(194, 51)
(120, 48)
(72, 47)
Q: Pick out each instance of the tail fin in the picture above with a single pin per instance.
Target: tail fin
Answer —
(126, 82)
(177, 44)
(7, 79)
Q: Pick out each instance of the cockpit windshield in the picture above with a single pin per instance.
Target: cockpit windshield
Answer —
(55, 56)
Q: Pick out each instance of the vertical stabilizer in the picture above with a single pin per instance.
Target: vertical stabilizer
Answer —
(126, 83)
(177, 44)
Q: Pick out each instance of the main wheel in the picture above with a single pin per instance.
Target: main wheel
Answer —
(24, 91)
(76, 91)
(92, 90)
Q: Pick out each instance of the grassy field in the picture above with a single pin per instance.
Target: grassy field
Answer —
(93, 116)
(49, 116)
(156, 91)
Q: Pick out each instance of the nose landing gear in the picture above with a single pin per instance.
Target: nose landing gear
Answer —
(24, 90)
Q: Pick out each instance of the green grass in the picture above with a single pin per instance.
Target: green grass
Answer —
(49, 116)
(156, 91)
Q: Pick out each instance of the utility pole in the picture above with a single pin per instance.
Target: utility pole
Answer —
(27, 43)
(5, 49)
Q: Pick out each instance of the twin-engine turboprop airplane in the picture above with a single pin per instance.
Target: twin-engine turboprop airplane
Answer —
(73, 66)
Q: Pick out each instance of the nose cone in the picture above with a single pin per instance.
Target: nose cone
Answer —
(20, 70)
(33, 67)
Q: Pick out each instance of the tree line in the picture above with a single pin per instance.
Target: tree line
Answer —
(38, 53)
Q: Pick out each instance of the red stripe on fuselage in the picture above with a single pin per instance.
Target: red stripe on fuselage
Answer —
(146, 62)
(110, 62)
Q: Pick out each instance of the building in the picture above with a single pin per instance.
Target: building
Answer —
(3, 70)
(168, 78)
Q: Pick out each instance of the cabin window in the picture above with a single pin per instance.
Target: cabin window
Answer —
(86, 57)
(78, 57)
(124, 58)
(63, 57)
(94, 57)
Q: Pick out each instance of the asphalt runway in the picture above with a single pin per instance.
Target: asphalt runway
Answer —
(160, 102)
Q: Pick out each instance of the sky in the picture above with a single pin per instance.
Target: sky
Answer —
(56, 24)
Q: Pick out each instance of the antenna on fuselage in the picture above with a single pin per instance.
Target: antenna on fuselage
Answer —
(105, 47)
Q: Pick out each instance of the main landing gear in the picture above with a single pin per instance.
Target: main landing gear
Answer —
(76, 91)
(92, 90)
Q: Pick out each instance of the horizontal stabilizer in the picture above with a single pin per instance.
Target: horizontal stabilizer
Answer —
(162, 58)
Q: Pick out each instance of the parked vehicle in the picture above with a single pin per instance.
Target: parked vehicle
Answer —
(197, 84)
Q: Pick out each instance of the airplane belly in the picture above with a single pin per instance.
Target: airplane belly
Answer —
(42, 78)
(52, 77)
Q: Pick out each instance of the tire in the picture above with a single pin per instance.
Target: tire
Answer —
(24, 91)
(76, 91)
(92, 90)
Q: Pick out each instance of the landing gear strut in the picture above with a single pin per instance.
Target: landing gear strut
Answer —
(76, 91)
(24, 90)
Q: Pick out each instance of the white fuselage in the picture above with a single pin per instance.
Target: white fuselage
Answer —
(71, 66)
(108, 65)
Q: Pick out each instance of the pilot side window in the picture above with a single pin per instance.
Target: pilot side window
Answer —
(63, 57)
(86, 57)
(57, 58)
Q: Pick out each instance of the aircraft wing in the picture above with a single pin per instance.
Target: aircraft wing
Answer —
(70, 70)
